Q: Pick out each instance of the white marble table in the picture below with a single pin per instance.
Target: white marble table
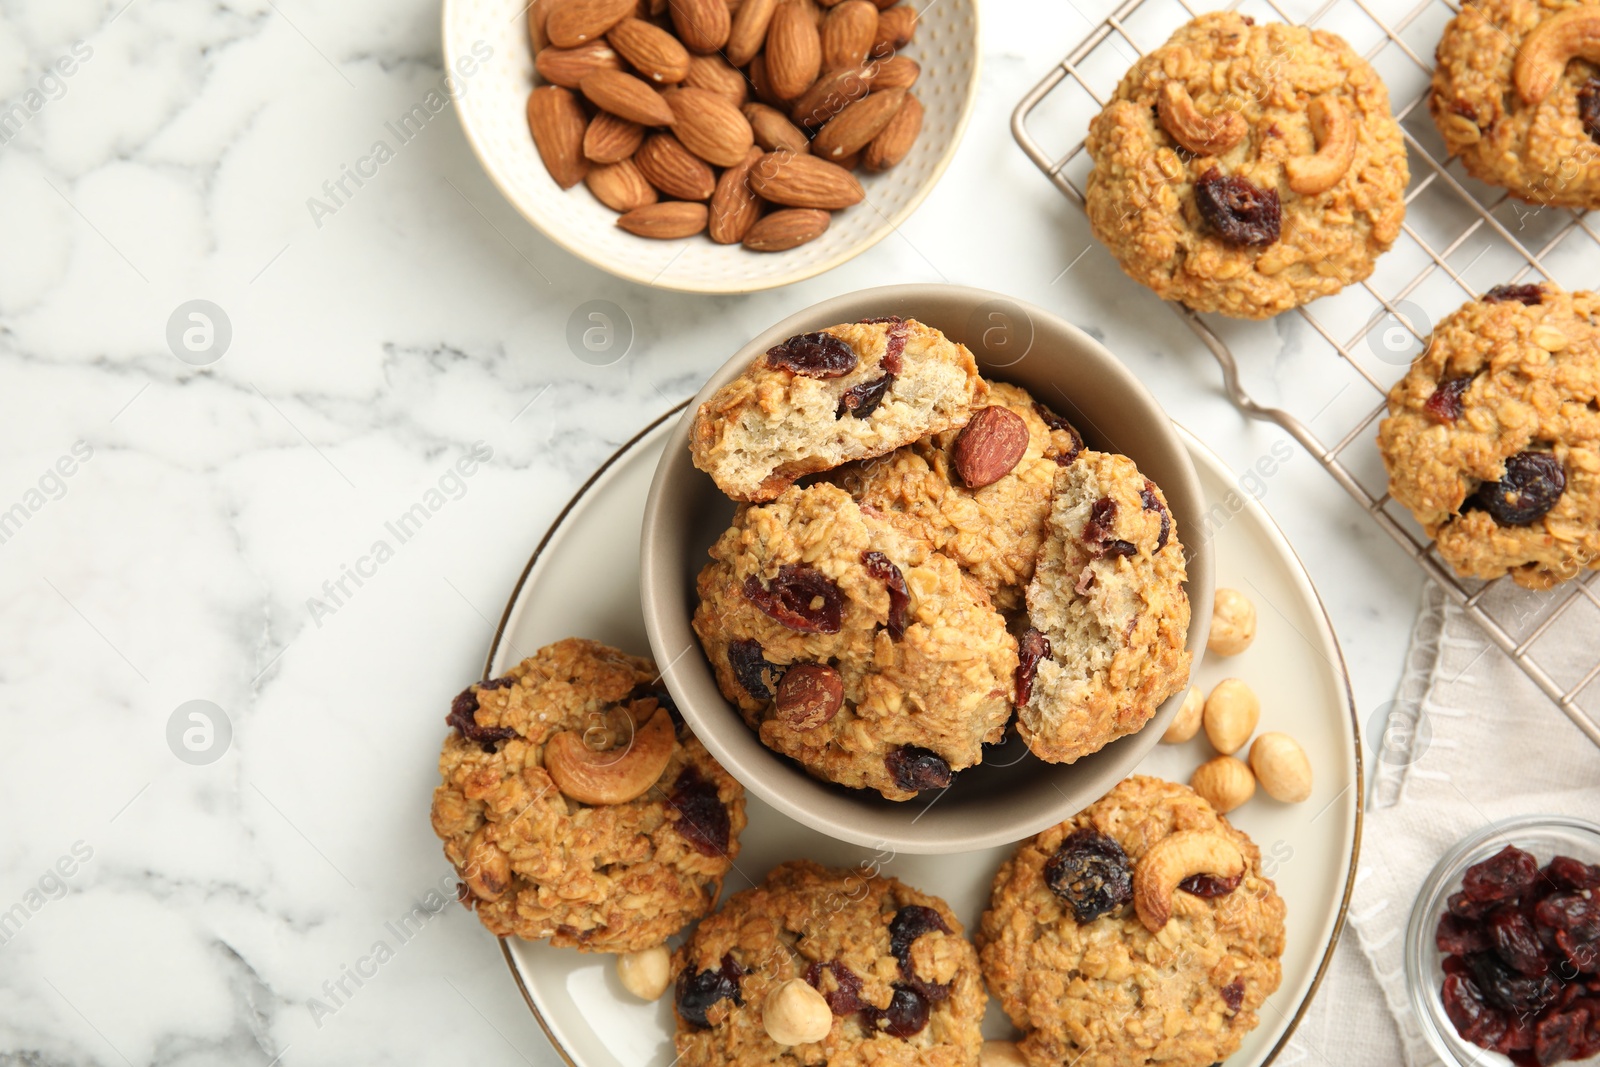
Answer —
(172, 912)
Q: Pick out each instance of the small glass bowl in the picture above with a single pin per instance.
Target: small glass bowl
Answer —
(1546, 836)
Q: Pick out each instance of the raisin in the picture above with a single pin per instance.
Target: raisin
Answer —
(846, 998)
(1210, 886)
(1516, 942)
(1503, 877)
(698, 991)
(1531, 295)
(1032, 647)
(1505, 989)
(862, 400)
(1589, 108)
(1233, 995)
(908, 924)
(702, 817)
(915, 769)
(1152, 502)
(1444, 406)
(1473, 1019)
(816, 355)
(1051, 419)
(1091, 873)
(1116, 547)
(1569, 873)
(1532, 484)
(1464, 109)
(881, 568)
(1455, 935)
(906, 1015)
(800, 597)
(749, 662)
(1240, 213)
(463, 716)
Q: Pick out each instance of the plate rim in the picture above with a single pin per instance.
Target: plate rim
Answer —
(1358, 786)
(738, 286)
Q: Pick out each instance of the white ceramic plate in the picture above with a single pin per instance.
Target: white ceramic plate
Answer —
(492, 102)
(583, 580)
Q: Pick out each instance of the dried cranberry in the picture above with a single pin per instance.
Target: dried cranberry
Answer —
(1560, 1036)
(1505, 989)
(1532, 295)
(749, 662)
(906, 1015)
(1074, 450)
(1518, 1036)
(880, 320)
(463, 716)
(1589, 108)
(882, 569)
(816, 355)
(657, 692)
(1459, 936)
(1091, 873)
(846, 999)
(1582, 955)
(1444, 406)
(1532, 484)
(1102, 517)
(1032, 647)
(1233, 995)
(915, 769)
(1473, 1019)
(862, 400)
(1051, 419)
(1569, 873)
(1471, 910)
(1240, 213)
(894, 346)
(1210, 886)
(697, 992)
(800, 597)
(1152, 502)
(1572, 912)
(1503, 877)
(908, 924)
(1115, 547)
(1455, 965)
(702, 817)
(1515, 941)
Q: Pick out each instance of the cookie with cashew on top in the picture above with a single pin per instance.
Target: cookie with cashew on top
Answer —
(825, 966)
(577, 807)
(1516, 94)
(1247, 169)
(1141, 931)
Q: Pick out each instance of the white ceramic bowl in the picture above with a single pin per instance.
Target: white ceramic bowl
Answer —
(492, 100)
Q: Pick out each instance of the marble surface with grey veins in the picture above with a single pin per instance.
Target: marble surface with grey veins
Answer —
(184, 883)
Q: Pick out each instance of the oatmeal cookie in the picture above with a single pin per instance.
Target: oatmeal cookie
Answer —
(577, 807)
(822, 399)
(1247, 169)
(1493, 436)
(993, 531)
(1069, 953)
(1521, 109)
(898, 979)
(1108, 610)
(851, 646)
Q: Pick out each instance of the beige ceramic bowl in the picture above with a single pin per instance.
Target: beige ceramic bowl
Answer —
(1012, 794)
(492, 98)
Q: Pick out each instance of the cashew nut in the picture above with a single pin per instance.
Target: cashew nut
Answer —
(1336, 149)
(1170, 861)
(608, 776)
(488, 869)
(1573, 34)
(1204, 135)
(646, 974)
(794, 1013)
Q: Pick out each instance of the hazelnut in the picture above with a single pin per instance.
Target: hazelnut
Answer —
(1001, 1054)
(1224, 783)
(645, 974)
(1233, 623)
(1282, 767)
(1231, 713)
(809, 695)
(1187, 722)
(794, 1013)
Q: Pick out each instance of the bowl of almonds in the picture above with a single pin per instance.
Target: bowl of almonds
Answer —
(716, 146)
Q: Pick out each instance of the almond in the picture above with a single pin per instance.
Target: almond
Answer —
(567, 66)
(709, 126)
(850, 161)
(804, 181)
(851, 129)
(848, 33)
(620, 186)
(786, 229)
(761, 84)
(896, 139)
(538, 12)
(808, 696)
(654, 53)
(574, 22)
(749, 30)
(896, 72)
(896, 27)
(773, 131)
(610, 139)
(831, 94)
(885, 4)
(713, 74)
(673, 169)
(794, 49)
(626, 97)
(702, 25)
(734, 206)
(991, 444)
(557, 122)
(665, 221)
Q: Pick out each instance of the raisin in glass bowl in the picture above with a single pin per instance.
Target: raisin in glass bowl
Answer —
(1428, 968)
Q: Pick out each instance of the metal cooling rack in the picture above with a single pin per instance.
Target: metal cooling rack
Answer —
(1450, 220)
